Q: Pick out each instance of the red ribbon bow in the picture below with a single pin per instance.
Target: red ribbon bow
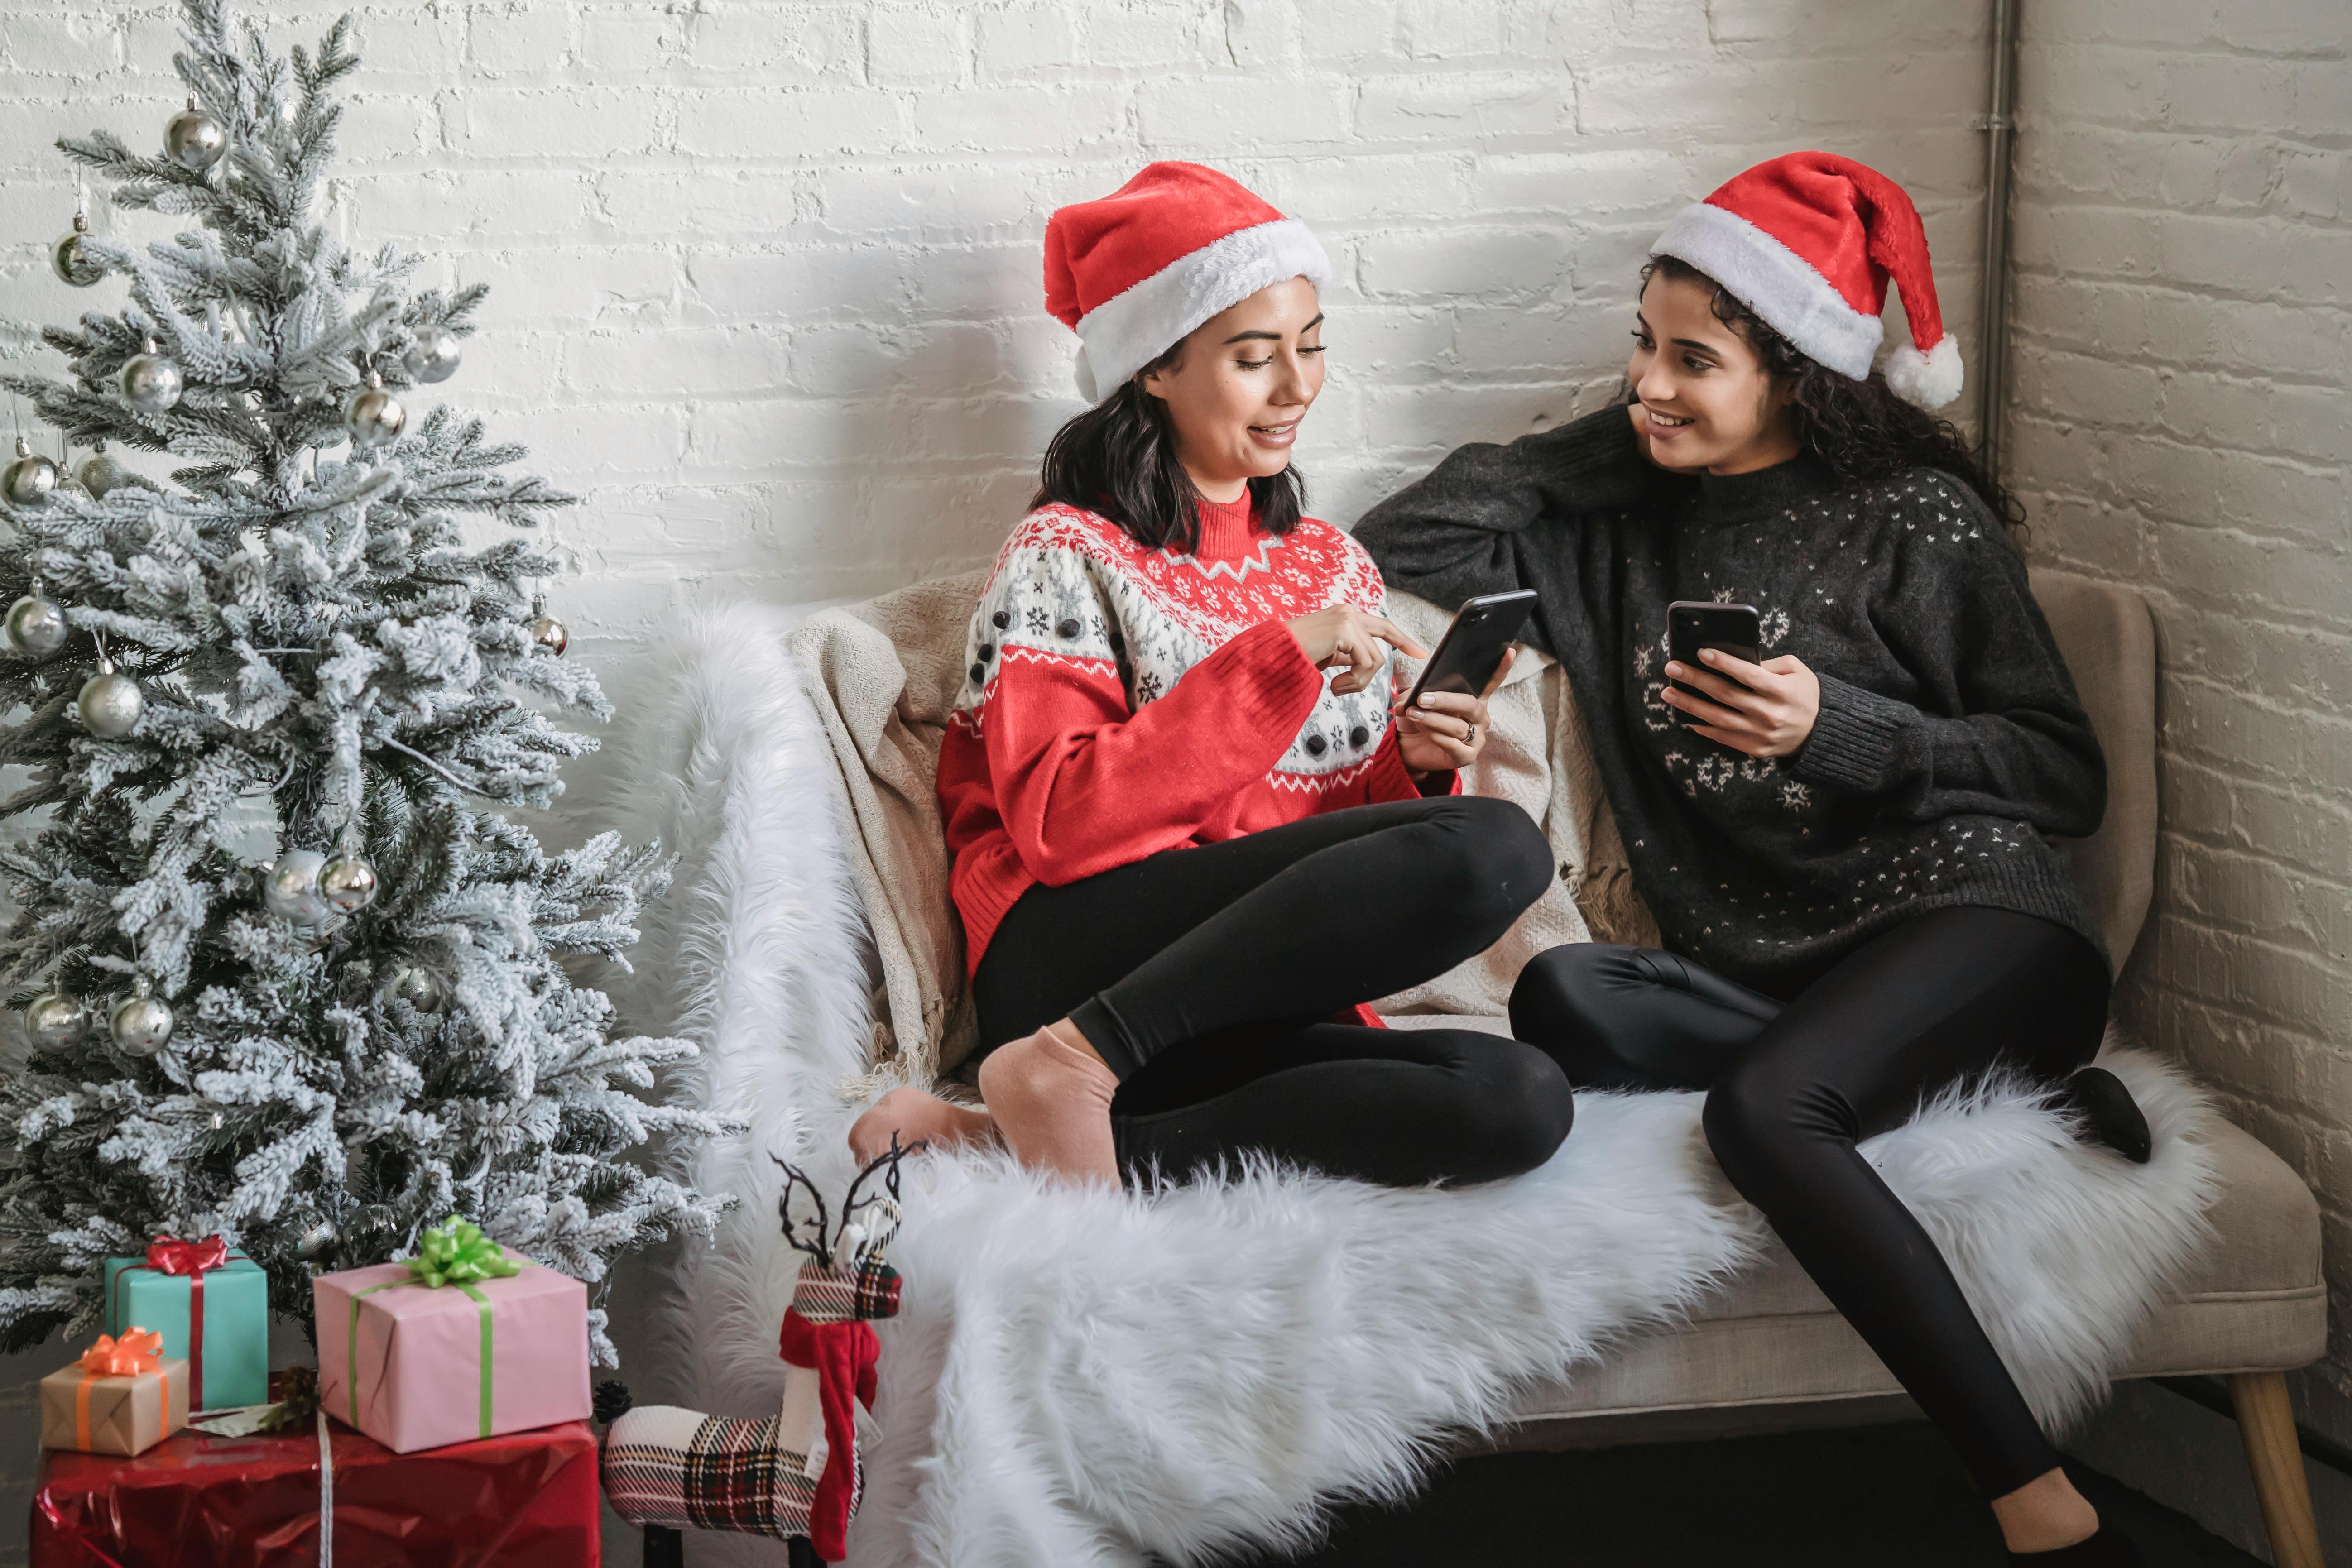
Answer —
(136, 1351)
(167, 1255)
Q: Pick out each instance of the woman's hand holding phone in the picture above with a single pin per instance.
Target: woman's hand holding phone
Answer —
(1447, 728)
(1343, 633)
(1764, 710)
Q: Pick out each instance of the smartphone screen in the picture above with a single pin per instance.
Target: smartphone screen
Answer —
(1694, 624)
(1466, 656)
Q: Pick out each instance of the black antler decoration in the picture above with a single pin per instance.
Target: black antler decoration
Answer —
(816, 1238)
(820, 1247)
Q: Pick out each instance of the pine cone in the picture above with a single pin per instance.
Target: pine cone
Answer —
(611, 1401)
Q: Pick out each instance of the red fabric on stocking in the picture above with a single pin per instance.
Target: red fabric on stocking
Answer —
(844, 1356)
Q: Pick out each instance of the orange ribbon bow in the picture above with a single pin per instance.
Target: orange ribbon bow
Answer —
(138, 1351)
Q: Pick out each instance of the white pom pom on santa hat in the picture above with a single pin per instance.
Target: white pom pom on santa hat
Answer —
(1134, 272)
(1808, 242)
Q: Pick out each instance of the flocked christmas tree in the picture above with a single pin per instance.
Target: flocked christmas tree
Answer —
(320, 1049)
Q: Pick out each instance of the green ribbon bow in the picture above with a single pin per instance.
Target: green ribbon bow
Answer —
(456, 1252)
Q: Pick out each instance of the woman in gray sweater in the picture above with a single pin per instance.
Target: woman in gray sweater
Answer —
(1844, 843)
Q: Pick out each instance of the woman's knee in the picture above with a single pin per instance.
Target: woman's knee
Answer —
(1496, 860)
(1564, 990)
(1515, 1111)
(1762, 1123)
(1570, 1001)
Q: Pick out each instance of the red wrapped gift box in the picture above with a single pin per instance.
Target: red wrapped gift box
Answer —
(527, 1500)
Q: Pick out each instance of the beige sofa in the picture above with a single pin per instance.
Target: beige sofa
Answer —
(1770, 1353)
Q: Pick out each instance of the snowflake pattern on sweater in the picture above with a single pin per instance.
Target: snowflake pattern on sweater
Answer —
(1074, 589)
(1949, 745)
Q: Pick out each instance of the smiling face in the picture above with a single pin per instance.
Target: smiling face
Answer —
(1708, 401)
(1240, 383)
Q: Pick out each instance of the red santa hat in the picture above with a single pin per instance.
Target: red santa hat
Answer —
(1136, 271)
(1807, 241)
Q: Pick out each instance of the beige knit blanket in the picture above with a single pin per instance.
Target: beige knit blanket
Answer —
(883, 675)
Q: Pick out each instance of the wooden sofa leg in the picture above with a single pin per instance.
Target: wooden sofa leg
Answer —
(2266, 1422)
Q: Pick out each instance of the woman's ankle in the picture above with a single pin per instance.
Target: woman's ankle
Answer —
(2046, 1514)
(1066, 1030)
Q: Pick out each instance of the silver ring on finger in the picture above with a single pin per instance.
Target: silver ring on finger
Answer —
(1472, 738)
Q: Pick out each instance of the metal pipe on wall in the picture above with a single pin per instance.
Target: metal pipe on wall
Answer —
(2001, 126)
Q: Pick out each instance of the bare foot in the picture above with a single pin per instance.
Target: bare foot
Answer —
(1051, 1097)
(917, 1117)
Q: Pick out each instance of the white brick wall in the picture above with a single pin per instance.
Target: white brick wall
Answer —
(2183, 299)
(765, 275)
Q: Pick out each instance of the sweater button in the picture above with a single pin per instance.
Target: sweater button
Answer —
(1359, 735)
(1068, 628)
(1314, 745)
(987, 652)
(1001, 619)
(978, 673)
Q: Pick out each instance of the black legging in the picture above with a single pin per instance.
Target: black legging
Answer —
(1791, 1089)
(1204, 977)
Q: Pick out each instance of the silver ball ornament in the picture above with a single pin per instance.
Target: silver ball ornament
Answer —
(347, 881)
(318, 1238)
(29, 477)
(140, 1023)
(36, 626)
(71, 260)
(372, 415)
(102, 474)
(435, 354)
(109, 702)
(54, 1020)
(411, 983)
(195, 140)
(290, 888)
(149, 382)
(549, 632)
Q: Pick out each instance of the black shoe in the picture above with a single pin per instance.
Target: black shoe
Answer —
(2110, 1547)
(2109, 1113)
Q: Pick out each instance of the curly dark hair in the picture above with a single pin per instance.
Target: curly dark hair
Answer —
(1861, 429)
(1119, 458)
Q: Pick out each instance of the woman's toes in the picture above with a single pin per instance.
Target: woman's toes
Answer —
(2109, 1113)
(915, 1116)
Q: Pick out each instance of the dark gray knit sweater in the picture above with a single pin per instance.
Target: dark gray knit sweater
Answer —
(1949, 738)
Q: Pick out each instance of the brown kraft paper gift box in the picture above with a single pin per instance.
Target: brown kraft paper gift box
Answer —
(102, 1415)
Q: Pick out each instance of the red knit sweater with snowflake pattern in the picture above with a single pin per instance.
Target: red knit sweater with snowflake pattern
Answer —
(1120, 700)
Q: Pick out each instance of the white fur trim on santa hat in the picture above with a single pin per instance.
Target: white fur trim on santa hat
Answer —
(1131, 329)
(1778, 285)
(1928, 380)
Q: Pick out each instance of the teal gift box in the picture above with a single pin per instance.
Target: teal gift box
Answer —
(210, 1306)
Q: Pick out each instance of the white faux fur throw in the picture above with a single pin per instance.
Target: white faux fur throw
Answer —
(1086, 1378)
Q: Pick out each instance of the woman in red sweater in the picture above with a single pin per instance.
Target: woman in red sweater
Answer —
(1184, 860)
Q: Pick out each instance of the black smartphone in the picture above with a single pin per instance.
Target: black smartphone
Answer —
(1473, 644)
(1694, 624)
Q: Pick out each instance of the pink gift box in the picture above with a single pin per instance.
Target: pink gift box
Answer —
(436, 1365)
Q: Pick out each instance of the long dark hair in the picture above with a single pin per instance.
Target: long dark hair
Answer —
(1859, 428)
(1119, 458)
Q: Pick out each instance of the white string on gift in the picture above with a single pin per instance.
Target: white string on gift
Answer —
(326, 1495)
